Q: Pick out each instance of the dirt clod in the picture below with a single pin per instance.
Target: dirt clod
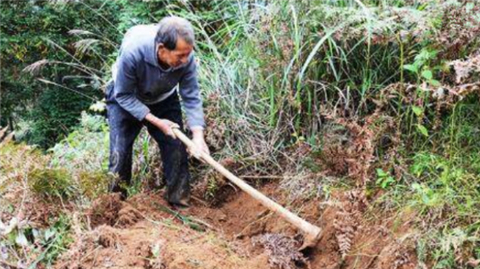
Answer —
(104, 210)
(128, 216)
(107, 236)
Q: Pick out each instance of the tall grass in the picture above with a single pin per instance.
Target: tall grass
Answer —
(282, 66)
(275, 74)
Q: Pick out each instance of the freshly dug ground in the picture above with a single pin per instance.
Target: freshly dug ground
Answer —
(144, 232)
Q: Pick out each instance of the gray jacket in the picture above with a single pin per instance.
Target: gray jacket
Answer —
(141, 81)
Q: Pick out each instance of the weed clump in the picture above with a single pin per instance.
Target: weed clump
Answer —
(51, 182)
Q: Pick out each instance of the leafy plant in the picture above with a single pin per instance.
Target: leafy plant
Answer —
(384, 179)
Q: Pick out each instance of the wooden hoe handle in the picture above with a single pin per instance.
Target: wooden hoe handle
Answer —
(312, 232)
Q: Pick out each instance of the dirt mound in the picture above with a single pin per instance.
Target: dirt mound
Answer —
(107, 236)
(144, 232)
(351, 239)
(108, 247)
(241, 217)
(128, 216)
(111, 210)
(104, 210)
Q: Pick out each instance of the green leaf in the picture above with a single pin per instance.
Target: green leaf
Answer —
(422, 129)
(427, 74)
(410, 67)
(381, 173)
(422, 7)
(387, 182)
(417, 110)
(435, 83)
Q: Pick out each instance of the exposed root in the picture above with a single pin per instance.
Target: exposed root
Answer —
(282, 251)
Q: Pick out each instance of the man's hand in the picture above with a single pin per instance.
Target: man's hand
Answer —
(199, 142)
(163, 124)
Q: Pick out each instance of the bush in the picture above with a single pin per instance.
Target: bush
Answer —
(51, 183)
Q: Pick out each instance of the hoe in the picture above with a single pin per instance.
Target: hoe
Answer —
(312, 233)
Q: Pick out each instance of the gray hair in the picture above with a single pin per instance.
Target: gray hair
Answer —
(171, 28)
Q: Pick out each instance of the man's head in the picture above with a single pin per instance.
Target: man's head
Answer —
(174, 41)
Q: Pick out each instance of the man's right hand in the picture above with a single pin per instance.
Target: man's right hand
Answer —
(163, 124)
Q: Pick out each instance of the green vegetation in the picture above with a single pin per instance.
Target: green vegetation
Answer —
(382, 94)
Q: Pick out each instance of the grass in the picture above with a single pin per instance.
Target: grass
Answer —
(65, 179)
(286, 76)
(443, 187)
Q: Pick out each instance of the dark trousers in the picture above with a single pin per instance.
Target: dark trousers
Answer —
(124, 128)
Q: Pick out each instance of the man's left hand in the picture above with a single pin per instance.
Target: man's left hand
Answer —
(199, 142)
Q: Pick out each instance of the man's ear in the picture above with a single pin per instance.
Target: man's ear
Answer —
(160, 46)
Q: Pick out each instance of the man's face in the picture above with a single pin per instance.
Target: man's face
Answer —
(176, 57)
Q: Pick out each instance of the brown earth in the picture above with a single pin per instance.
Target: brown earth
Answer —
(144, 232)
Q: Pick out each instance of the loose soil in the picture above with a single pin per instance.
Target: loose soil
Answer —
(145, 232)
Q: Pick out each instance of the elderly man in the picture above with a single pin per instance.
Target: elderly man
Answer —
(155, 63)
